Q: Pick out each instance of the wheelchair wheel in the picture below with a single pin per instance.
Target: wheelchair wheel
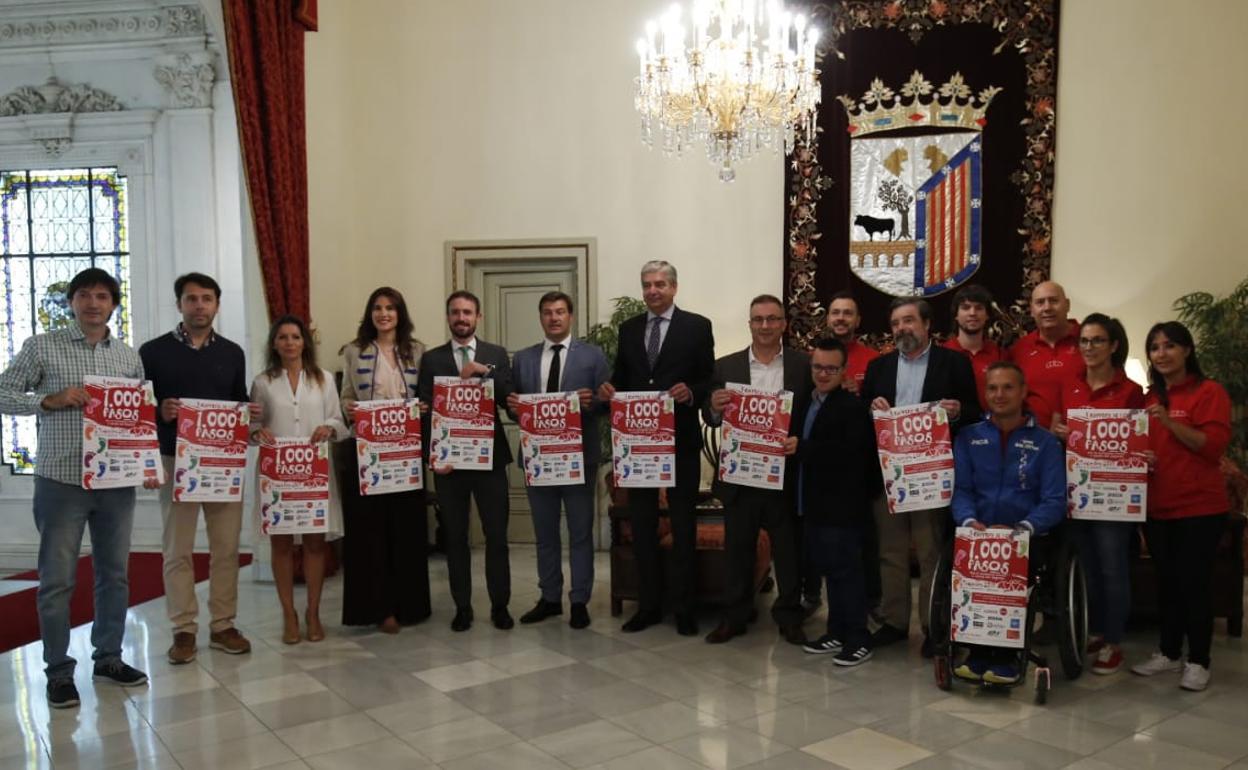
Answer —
(1071, 603)
(1042, 686)
(939, 616)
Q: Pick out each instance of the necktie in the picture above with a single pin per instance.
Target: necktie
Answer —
(552, 379)
(652, 343)
(465, 355)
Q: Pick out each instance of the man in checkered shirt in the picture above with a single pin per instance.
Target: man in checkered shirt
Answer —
(46, 378)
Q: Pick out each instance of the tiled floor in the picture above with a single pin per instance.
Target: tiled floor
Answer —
(545, 696)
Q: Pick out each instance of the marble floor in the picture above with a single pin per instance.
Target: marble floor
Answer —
(546, 696)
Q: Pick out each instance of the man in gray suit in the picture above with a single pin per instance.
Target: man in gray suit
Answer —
(769, 365)
(559, 364)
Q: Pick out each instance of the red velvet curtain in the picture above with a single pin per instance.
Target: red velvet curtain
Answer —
(265, 43)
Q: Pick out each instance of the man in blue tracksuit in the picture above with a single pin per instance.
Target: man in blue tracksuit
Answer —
(1009, 474)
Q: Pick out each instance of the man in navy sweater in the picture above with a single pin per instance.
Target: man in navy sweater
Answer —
(193, 361)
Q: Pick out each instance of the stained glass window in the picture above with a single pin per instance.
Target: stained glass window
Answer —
(54, 223)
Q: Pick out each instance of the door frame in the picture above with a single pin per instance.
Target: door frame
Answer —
(465, 254)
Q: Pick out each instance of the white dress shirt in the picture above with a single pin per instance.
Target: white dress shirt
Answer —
(767, 376)
(667, 321)
(548, 355)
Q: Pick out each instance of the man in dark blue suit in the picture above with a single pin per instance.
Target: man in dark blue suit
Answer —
(560, 364)
(671, 350)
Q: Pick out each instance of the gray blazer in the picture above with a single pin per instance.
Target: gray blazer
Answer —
(584, 366)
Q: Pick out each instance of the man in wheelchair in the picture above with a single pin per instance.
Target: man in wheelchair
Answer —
(1009, 474)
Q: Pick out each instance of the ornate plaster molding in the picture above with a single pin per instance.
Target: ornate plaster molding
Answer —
(177, 21)
(188, 78)
(55, 97)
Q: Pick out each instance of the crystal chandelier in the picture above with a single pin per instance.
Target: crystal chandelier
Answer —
(742, 80)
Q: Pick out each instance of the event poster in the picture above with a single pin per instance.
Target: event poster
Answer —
(643, 439)
(388, 446)
(294, 487)
(552, 445)
(751, 446)
(119, 443)
(1106, 467)
(211, 454)
(462, 428)
(916, 456)
(989, 600)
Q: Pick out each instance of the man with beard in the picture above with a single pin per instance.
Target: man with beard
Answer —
(970, 306)
(843, 321)
(466, 356)
(669, 349)
(768, 365)
(1048, 356)
(193, 361)
(916, 372)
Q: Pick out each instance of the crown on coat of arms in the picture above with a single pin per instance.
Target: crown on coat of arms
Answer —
(919, 103)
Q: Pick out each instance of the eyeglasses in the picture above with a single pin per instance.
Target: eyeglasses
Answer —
(1093, 342)
(763, 320)
(821, 369)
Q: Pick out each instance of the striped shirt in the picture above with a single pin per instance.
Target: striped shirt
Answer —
(49, 363)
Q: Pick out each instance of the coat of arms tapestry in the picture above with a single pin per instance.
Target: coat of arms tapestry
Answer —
(933, 166)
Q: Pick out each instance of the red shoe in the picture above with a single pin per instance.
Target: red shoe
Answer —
(1108, 660)
(1095, 643)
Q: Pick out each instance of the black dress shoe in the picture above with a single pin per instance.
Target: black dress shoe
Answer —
(542, 610)
(501, 619)
(793, 633)
(887, 634)
(686, 625)
(928, 650)
(580, 616)
(640, 622)
(463, 619)
(722, 633)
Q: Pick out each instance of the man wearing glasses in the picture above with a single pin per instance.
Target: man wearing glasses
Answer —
(832, 443)
(766, 364)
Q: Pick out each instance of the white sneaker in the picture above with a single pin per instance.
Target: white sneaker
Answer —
(1195, 677)
(1158, 664)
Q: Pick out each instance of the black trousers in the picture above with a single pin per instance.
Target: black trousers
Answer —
(643, 509)
(1183, 550)
(489, 489)
(749, 511)
(385, 560)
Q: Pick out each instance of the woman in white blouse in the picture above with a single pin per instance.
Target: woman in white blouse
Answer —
(300, 401)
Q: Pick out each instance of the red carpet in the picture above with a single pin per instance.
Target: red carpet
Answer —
(21, 620)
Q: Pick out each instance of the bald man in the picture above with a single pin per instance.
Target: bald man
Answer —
(1048, 356)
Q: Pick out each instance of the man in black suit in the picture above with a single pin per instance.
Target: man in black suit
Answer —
(466, 356)
(916, 372)
(769, 365)
(669, 349)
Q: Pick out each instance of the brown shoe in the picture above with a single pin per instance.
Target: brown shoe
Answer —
(723, 632)
(229, 641)
(183, 649)
(389, 626)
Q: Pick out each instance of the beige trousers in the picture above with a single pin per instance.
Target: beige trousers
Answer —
(926, 530)
(223, 522)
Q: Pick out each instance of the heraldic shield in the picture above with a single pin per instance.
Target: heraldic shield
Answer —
(936, 175)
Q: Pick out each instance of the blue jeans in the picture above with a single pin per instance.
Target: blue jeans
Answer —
(62, 511)
(836, 551)
(578, 501)
(1103, 548)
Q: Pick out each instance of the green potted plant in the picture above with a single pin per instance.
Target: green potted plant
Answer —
(1220, 326)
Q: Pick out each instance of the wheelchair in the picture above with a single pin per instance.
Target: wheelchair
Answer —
(1057, 588)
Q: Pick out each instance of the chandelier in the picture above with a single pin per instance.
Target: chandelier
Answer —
(742, 79)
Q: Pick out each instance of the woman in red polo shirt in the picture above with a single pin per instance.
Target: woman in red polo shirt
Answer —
(1189, 429)
(1103, 545)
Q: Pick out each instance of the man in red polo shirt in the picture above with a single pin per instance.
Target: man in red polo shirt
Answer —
(1048, 356)
(843, 320)
(970, 306)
